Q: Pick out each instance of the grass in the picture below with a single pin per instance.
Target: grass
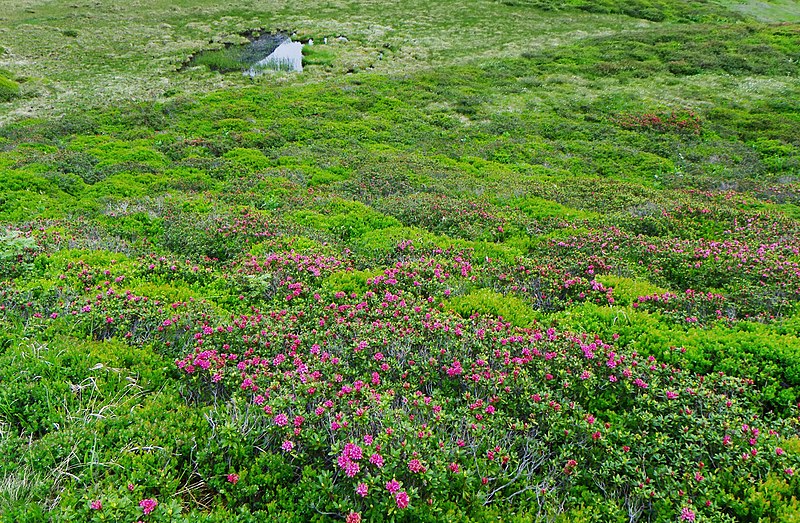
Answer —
(775, 11)
(131, 51)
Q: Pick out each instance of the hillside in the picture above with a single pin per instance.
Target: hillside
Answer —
(519, 260)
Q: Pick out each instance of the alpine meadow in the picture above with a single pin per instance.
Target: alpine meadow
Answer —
(399, 261)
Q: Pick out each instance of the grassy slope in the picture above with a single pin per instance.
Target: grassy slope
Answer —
(529, 112)
(131, 51)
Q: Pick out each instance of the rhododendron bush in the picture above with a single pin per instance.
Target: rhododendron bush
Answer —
(385, 391)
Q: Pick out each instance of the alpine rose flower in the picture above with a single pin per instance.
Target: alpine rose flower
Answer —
(377, 460)
(416, 466)
(402, 499)
(148, 505)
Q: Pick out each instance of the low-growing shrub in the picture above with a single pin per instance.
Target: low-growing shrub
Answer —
(9, 89)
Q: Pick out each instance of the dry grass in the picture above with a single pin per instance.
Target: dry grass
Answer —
(131, 50)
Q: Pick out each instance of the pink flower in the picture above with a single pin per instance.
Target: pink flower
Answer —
(687, 514)
(671, 395)
(233, 478)
(352, 451)
(148, 505)
(281, 420)
(131, 487)
(362, 489)
(779, 451)
(351, 469)
(377, 460)
(402, 499)
(392, 486)
(287, 446)
(416, 466)
(454, 468)
(353, 517)
(96, 505)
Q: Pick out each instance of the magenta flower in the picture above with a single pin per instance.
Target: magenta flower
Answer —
(233, 478)
(287, 446)
(96, 505)
(351, 469)
(402, 499)
(353, 517)
(416, 466)
(148, 505)
(281, 420)
(352, 451)
(377, 460)
(687, 514)
(362, 489)
(392, 486)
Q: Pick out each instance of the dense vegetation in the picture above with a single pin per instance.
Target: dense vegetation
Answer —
(551, 283)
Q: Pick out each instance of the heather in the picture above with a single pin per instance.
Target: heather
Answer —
(548, 270)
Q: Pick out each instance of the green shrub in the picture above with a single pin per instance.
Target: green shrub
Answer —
(9, 89)
(488, 302)
(349, 282)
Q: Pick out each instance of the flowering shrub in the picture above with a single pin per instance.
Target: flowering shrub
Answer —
(404, 405)
(450, 216)
(691, 307)
(219, 237)
(681, 122)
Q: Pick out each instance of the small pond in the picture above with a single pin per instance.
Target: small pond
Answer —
(288, 56)
(264, 53)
